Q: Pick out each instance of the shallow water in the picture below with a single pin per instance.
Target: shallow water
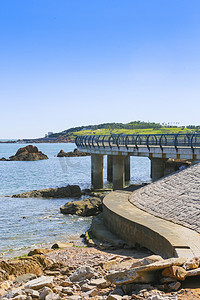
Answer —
(27, 223)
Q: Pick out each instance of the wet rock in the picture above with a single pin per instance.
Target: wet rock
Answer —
(62, 192)
(75, 153)
(82, 273)
(39, 283)
(85, 208)
(28, 153)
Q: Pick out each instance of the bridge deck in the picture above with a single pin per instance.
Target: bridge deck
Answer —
(152, 146)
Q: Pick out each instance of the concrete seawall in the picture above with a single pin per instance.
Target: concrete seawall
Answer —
(174, 198)
(136, 226)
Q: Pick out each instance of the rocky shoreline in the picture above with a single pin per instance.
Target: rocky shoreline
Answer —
(90, 205)
(88, 273)
(100, 271)
(62, 192)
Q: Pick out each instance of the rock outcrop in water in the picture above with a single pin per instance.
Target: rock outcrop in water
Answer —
(62, 192)
(75, 153)
(85, 208)
(28, 153)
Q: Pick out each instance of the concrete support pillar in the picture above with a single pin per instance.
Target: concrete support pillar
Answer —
(127, 168)
(157, 168)
(118, 172)
(110, 168)
(97, 171)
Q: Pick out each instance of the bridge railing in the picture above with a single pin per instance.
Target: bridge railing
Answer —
(137, 140)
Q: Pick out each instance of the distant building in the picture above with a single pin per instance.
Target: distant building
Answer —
(48, 134)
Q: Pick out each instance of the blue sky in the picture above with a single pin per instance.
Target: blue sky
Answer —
(69, 63)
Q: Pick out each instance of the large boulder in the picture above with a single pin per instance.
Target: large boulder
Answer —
(34, 264)
(146, 273)
(62, 192)
(82, 273)
(27, 153)
(86, 207)
(75, 153)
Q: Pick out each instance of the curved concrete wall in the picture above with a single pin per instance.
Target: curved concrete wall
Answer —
(174, 198)
(135, 226)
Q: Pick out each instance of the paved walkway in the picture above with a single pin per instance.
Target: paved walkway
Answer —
(137, 226)
(175, 198)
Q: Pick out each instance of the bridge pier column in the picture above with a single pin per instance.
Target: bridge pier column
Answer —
(110, 168)
(157, 168)
(127, 168)
(118, 172)
(97, 171)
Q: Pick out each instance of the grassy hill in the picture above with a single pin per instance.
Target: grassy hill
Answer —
(136, 127)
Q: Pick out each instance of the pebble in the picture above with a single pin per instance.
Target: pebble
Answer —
(67, 290)
(66, 283)
(114, 297)
(44, 293)
(81, 273)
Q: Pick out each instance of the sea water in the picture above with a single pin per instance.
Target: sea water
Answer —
(28, 223)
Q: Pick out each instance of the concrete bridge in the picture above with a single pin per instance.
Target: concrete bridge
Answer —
(118, 148)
